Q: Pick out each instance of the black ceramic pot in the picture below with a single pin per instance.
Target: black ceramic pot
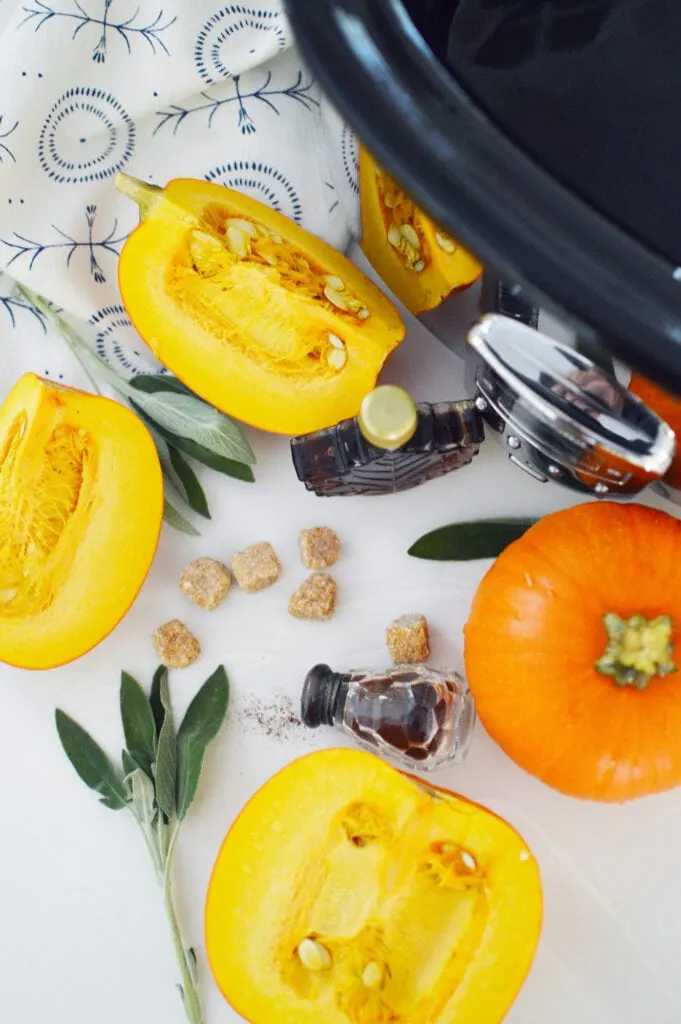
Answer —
(474, 173)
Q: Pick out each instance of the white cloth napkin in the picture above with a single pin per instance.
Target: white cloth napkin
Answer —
(160, 89)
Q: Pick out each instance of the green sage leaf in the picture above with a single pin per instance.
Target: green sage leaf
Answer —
(200, 726)
(177, 521)
(155, 697)
(166, 752)
(189, 486)
(238, 470)
(153, 382)
(464, 542)
(90, 762)
(141, 790)
(130, 765)
(189, 416)
(139, 727)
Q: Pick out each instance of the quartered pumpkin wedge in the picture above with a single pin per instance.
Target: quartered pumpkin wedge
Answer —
(81, 506)
(348, 893)
(254, 314)
(419, 263)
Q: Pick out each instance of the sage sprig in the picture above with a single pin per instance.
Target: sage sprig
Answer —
(157, 782)
(181, 423)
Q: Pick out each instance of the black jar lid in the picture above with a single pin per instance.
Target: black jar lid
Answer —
(439, 143)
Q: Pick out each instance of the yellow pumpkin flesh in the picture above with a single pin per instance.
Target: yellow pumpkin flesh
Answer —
(81, 506)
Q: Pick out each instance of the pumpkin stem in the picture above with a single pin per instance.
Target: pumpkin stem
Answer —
(145, 195)
(638, 649)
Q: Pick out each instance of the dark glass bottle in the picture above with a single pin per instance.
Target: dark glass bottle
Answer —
(391, 446)
(415, 715)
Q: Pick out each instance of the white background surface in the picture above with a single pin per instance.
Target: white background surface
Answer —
(83, 937)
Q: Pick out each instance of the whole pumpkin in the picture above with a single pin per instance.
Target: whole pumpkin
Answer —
(570, 651)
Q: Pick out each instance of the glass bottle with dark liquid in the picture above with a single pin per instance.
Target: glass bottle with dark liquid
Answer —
(392, 445)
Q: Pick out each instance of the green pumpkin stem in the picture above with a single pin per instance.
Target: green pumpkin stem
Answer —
(638, 649)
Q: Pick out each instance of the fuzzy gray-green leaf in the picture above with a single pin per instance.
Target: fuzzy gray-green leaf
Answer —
(189, 416)
(199, 727)
(139, 728)
(155, 697)
(90, 762)
(141, 790)
(166, 753)
(177, 521)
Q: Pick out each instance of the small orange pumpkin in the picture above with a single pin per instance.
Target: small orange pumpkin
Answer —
(569, 651)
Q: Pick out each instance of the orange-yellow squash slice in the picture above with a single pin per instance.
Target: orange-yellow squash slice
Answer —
(81, 505)
(668, 408)
(348, 893)
(419, 263)
(254, 314)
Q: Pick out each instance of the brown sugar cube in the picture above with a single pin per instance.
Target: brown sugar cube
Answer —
(206, 582)
(315, 598)
(408, 640)
(175, 645)
(256, 567)
(319, 547)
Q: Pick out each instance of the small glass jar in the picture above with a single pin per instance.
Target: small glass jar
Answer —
(414, 715)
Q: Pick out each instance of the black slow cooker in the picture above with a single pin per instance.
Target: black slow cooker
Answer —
(544, 134)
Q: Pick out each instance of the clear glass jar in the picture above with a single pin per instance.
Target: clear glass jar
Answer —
(414, 715)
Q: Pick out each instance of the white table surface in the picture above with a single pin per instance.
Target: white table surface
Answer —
(83, 937)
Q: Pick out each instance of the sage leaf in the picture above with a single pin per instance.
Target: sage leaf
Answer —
(177, 521)
(166, 753)
(191, 417)
(141, 790)
(139, 727)
(200, 726)
(179, 473)
(157, 709)
(90, 762)
(464, 542)
(190, 957)
(153, 382)
(130, 765)
(189, 486)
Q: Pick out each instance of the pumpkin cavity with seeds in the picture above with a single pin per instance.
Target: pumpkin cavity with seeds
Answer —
(253, 313)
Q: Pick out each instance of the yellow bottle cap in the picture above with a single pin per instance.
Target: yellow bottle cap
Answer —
(388, 417)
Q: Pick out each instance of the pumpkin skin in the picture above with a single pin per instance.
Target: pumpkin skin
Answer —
(343, 847)
(536, 631)
(81, 507)
(668, 408)
(233, 298)
(422, 280)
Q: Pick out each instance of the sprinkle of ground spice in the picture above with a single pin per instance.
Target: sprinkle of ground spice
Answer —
(277, 718)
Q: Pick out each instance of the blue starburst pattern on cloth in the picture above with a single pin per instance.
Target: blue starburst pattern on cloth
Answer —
(269, 95)
(350, 158)
(101, 26)
(87, 136)
(117, 341)
(236, 25)
(261, 181)
(94, 246)
(5, 131)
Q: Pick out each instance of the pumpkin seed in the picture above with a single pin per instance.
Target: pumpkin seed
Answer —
(372, 975)
(445, 242)
(410, 236)
(337, 358)
(419, 266)
(391, 201)
(335, 298)
(336, 341)
(242, 225)
(395, 236)
(363, 313)
(313, 955)
(334, 282)
(237, 242)
(468, 860)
